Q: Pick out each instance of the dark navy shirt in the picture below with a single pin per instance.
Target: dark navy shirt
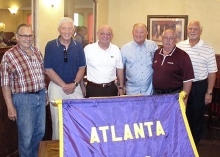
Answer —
(54, 59)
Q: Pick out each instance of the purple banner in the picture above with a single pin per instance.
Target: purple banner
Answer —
(138, 126)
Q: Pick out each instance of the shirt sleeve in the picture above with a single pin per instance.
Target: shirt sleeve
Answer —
(212, 65)
(4, 72)
(119, 63)
(47, 57)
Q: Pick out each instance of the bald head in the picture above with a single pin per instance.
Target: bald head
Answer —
(195, 23)
(140, 24)
(105, 27)
(139, 33)
(169, 39)
(105, 35)
(194, 31)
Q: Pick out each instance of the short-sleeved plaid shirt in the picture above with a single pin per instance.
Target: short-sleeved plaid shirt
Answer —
(22, 72)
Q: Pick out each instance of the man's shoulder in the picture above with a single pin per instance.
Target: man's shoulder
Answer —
(12, 50)
(206, 44)
(89, 46)
(179, 50)
(150, 42)
(127, 45)
(52, 42)
(184, 42)
(113, 46)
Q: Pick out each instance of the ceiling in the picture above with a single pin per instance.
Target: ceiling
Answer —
(26, 4)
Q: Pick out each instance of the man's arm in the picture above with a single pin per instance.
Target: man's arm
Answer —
(54, 77)
(69, 88)
(186, 88)
(80, 74)
(211, 83)
(12, 114)
(120, 75)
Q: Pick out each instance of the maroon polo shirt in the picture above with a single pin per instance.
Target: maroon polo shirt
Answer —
(170, 71)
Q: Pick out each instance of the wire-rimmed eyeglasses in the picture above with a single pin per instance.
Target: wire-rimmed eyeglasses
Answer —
(25, 36)
(65, 56)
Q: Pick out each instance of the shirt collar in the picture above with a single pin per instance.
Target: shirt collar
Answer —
(137, 45)
(110, 45)
(170, 54)
(59, 43)
(19, 47)
(199, 44)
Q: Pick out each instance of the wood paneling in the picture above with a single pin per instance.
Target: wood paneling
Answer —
(8, 128)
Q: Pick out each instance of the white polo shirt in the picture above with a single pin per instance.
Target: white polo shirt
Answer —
(102, 64)
(202, 56)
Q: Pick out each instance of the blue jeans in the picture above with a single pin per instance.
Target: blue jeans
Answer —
(30, 109)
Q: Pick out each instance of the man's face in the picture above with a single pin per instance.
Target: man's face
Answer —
(104, 35)
(169, 40)
(194, 31)
(139, 34)
(84, 32)
(66, 31)
(25, 37)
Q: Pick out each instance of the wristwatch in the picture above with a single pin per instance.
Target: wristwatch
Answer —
(210, 93)
(76, 84)
(121, 88)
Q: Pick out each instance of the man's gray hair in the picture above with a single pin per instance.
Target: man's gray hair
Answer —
(65, 19)
(197, 22)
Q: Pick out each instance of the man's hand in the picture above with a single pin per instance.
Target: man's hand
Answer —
(121, 91)
(12, 114)
(69, 88)
(208, 98)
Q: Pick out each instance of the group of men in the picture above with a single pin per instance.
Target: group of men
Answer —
(140, 67)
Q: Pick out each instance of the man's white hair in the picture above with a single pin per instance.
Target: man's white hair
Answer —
(65, 19)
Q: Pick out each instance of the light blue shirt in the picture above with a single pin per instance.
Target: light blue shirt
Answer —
(137, 62)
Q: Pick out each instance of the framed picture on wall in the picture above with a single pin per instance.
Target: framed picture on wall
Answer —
(156, 24)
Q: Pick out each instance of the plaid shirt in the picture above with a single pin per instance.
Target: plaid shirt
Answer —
(22, 72)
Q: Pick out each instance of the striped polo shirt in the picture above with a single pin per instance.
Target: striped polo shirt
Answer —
(202, 56)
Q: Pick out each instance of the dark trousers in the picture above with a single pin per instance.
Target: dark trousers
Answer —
(98, 91)
(196, 108)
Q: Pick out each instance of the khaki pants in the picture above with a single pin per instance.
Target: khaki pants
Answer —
(55, 92)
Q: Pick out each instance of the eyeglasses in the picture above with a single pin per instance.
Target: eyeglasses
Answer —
(105, 34)
(65, 56)
(26, 36)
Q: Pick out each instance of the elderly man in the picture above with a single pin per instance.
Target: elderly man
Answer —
(203, 60)
(22, 81)
(172, 67)
(103, 60)
(137, 58)
(65, 65)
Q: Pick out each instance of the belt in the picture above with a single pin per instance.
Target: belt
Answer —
(34, 92)
(201, 81)
(167, 91)
(104, 85)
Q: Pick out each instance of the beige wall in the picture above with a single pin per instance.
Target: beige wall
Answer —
(47, 19)
(12, 21)
(121, 15)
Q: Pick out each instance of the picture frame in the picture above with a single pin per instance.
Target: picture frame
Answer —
(156, 24)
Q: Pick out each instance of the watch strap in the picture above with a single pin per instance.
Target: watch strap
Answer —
(76, 84)
(209, 93)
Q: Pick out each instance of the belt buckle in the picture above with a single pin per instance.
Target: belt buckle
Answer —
(103, 85)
